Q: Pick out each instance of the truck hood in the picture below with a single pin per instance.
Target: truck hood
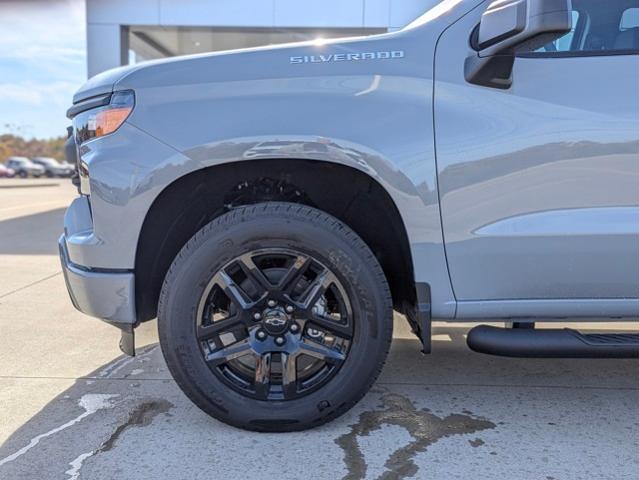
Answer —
(258, 63)
(102, 83)
(106, 82)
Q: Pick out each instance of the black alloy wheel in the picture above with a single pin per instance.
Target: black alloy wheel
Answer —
(275, 317)
(275, 324)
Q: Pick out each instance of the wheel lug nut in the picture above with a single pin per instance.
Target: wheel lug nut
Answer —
(257, 315)
(313, 333)
(289, 309)
(272, 303)
(294, 327)
(261, 335)
(280, 340)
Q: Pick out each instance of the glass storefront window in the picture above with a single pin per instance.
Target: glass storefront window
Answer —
(149, 43)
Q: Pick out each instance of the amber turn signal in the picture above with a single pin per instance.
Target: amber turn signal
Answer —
(108, 121)
(103, 120)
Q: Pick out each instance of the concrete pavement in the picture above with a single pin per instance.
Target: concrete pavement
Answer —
(73, 407)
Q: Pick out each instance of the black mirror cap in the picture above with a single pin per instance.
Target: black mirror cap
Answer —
(494, 71)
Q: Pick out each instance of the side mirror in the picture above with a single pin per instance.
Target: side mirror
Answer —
(509, 27)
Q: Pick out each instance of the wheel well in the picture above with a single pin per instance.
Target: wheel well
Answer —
(192, 201)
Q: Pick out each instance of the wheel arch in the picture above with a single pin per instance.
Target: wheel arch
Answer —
(350, 194)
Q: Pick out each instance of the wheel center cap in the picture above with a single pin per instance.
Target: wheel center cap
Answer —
(276, 321)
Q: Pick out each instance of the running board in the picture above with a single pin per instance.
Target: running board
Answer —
(552, 343)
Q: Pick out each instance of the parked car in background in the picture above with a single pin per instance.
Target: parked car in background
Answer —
(53, 168)
(6, 172)
(24, 167)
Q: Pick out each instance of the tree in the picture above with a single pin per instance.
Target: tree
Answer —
(14, 145)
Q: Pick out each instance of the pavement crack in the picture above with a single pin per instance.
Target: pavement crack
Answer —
(424, 427)
(141, 416)
(24, 287)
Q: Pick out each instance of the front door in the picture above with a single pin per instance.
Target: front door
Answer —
(539, 184)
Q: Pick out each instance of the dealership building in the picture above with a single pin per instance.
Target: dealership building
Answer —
(122, 32)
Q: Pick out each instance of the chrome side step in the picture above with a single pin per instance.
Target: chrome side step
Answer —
(552, 343)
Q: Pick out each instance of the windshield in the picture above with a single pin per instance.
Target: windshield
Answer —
(20, 160)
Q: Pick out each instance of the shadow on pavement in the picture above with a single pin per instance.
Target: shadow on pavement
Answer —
(129, 420)
(35, 234)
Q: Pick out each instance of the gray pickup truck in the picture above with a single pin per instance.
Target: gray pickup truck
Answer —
(272, 207)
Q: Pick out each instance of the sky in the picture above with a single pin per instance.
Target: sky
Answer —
(42, 63)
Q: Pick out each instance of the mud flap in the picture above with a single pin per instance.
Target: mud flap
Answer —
(127, 340)
(419, 316)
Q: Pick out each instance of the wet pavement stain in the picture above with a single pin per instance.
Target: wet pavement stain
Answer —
(478, 442)
(424, 427)
(140, 416)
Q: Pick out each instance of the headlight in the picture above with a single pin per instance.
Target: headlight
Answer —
(98, 122)
(104, 120)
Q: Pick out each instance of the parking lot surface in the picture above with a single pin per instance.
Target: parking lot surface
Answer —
(73, 407)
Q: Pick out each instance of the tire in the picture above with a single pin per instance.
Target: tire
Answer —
(23, 174)
(360, 292)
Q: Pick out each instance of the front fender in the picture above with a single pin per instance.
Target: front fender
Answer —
(373, 116)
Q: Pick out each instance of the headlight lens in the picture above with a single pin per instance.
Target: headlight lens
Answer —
(98, 122)
(102, 121)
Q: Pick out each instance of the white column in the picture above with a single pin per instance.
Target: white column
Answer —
(104, 47)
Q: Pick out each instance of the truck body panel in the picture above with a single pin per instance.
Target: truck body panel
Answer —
(538, 183)
(332, 101)
(514, 204)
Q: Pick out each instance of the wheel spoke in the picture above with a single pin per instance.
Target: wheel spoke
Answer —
(253, 273)
(232, 290)
(233, 351)
(294, 274)
(263, 375)
(317, 288)
(331, 326)
(322, 352)
(289, 375)
(205, 332)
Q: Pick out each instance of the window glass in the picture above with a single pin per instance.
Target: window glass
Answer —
(629, 19)
(600, 26)
(152, 42)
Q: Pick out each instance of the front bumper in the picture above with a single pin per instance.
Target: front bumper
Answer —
(102, 293)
